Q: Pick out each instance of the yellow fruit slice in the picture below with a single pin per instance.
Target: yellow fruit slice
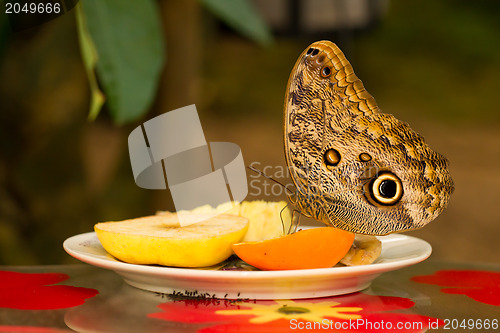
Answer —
(160, 240)
(267, 219)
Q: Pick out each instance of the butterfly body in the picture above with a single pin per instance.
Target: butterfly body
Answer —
(354, 167)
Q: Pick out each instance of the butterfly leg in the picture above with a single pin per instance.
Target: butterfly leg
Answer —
(282, 219)
(294, 224)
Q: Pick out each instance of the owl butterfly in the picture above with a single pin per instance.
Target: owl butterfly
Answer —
(354, 167)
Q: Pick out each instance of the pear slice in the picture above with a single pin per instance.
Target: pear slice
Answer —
(159, 239)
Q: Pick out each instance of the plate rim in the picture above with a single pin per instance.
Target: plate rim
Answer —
(375, 268)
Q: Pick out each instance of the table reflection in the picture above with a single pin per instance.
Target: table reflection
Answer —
(431, 296)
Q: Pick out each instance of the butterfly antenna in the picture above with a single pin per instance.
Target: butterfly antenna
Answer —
(270, 178)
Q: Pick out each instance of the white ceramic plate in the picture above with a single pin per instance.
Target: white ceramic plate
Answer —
(397, 251)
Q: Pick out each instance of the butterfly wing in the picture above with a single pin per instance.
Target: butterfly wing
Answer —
(309, 96)
(354, 167)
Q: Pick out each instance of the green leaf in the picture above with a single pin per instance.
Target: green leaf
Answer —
(241, 16)
(130, 53)
(89, 56)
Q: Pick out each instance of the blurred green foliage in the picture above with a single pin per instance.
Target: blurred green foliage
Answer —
(89, 56)
(240, 15)
(127, 38)
(123, 43)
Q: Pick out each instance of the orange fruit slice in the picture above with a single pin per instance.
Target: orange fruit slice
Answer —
(311, 248)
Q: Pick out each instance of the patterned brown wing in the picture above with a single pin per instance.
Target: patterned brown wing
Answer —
(321, 81)
(354, 167)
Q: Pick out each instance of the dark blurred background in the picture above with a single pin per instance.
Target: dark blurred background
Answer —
(433, 64)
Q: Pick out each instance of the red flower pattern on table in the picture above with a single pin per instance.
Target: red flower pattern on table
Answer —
(36, 291)
(481, 286)
(349, 313)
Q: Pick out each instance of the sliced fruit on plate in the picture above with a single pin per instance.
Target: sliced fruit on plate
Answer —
(321, 247)
(364, 251)
(267, 219)
(160, 240)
